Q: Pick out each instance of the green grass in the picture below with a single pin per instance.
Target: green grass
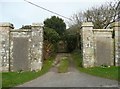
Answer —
(11, 79)
(63, 67)
(108, 72)
(0, 80)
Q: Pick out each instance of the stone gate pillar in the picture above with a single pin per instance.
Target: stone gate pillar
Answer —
(4, 46)
(37, 46)
(116, 28)
(87, 44)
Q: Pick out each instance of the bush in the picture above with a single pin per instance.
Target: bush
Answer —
(71, 40)
(51, 37)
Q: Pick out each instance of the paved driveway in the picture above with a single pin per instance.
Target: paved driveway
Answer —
(73, 78)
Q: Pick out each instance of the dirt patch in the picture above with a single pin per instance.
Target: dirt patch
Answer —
(58, 59)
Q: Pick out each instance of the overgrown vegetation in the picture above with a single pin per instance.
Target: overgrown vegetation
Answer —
(51, 37)
(11, 79)
(63, 67)
(71, 40)
(106, 72)
(54, 28)
(55, 31)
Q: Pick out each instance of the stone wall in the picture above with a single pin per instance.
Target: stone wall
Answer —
(103, 47)
(21, 49)
(100, 46)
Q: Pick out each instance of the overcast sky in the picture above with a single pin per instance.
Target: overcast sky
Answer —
(21, 13)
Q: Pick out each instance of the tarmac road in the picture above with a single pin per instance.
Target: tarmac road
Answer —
(73, 78)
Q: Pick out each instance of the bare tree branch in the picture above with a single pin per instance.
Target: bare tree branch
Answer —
(101, 16)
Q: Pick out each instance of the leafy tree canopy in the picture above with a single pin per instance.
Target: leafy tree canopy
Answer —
(51, 35)
(71, 39)
(55, 23)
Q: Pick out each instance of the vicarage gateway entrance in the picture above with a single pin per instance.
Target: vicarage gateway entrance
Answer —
(22, 49)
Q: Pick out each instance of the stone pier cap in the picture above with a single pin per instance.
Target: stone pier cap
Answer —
(6, 24)
(87, 24)
(37, 24)
(115, 24)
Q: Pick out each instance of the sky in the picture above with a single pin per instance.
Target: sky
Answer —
(19, 12)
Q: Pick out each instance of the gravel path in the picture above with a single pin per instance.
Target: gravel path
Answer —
(73, 78)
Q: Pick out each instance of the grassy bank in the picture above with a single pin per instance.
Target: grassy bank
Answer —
(63, 66)
(108, 72)
(10, 79)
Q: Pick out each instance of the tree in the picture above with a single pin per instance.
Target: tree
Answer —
(55, 23)
(75, 30)
(71, 40)
(118, 13)
(77, 20)
(51, 35)
(101, 16)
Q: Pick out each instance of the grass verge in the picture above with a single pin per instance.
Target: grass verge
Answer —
(108, 72)
(63, 67)
(11, 79)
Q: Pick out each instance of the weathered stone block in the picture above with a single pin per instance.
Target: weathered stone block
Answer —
(99, 45)
(14, 56)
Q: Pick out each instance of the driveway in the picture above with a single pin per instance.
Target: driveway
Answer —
(73, 78)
